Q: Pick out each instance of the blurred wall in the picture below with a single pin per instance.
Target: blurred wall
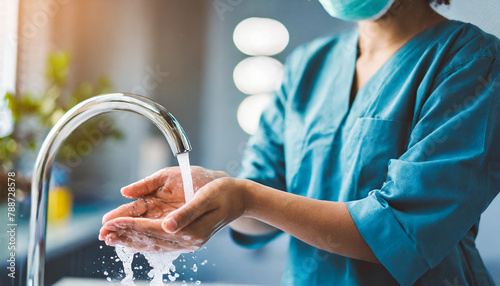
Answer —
(152, 48)
(8, 49)
(106, 38)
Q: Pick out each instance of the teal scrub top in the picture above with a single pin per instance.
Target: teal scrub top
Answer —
(416, 156)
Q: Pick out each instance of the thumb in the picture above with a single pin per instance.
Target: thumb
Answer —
(185, 215)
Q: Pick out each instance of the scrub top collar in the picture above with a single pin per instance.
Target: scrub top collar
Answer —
(365, 95)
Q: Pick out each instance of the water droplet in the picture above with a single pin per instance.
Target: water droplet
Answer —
(198, 282)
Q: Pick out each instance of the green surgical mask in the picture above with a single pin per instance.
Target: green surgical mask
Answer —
(356, 10)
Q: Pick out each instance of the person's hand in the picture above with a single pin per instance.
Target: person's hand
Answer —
(157, 195)
(187, 228)
(161, 188)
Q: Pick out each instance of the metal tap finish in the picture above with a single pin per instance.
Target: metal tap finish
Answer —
(79, 114)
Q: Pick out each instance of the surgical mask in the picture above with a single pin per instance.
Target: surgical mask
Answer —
(356, 10)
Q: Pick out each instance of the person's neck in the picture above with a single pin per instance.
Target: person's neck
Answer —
(404, 20)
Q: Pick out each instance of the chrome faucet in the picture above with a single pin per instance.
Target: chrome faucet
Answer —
(87, 109)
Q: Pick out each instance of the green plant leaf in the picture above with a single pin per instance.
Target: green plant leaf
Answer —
(58, 68)
(48, 107)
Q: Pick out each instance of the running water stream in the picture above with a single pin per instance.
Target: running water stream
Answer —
(187, 180)
(162, 263)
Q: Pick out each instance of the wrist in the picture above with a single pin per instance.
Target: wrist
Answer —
(246, 187)
(239, 195)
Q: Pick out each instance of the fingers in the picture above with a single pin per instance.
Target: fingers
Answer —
(188, 213)
(146, 185)
(103, 232)
(141, 225)
(145, 235)
(141, 243)
(144, 227)
(133, 209)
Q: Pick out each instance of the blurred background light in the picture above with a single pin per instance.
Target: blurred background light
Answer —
(256, 75)
(250, 110)
(6, 121)
(8, 46)
(260, 36)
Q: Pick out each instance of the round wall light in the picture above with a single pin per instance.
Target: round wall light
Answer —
(250, 110)
(260, 36)
(256, 75)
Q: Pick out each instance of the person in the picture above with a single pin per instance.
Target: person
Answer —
(377, 155)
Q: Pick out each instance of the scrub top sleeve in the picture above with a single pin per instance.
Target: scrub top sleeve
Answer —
(436, 191)
(263, 162)
(264, 158)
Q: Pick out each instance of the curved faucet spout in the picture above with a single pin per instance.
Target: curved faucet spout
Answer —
(87, 109)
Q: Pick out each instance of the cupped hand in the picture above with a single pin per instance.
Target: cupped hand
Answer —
(187, 228)
(157, 195)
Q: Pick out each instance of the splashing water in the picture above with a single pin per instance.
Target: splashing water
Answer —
(126, 256)
(162, 263)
